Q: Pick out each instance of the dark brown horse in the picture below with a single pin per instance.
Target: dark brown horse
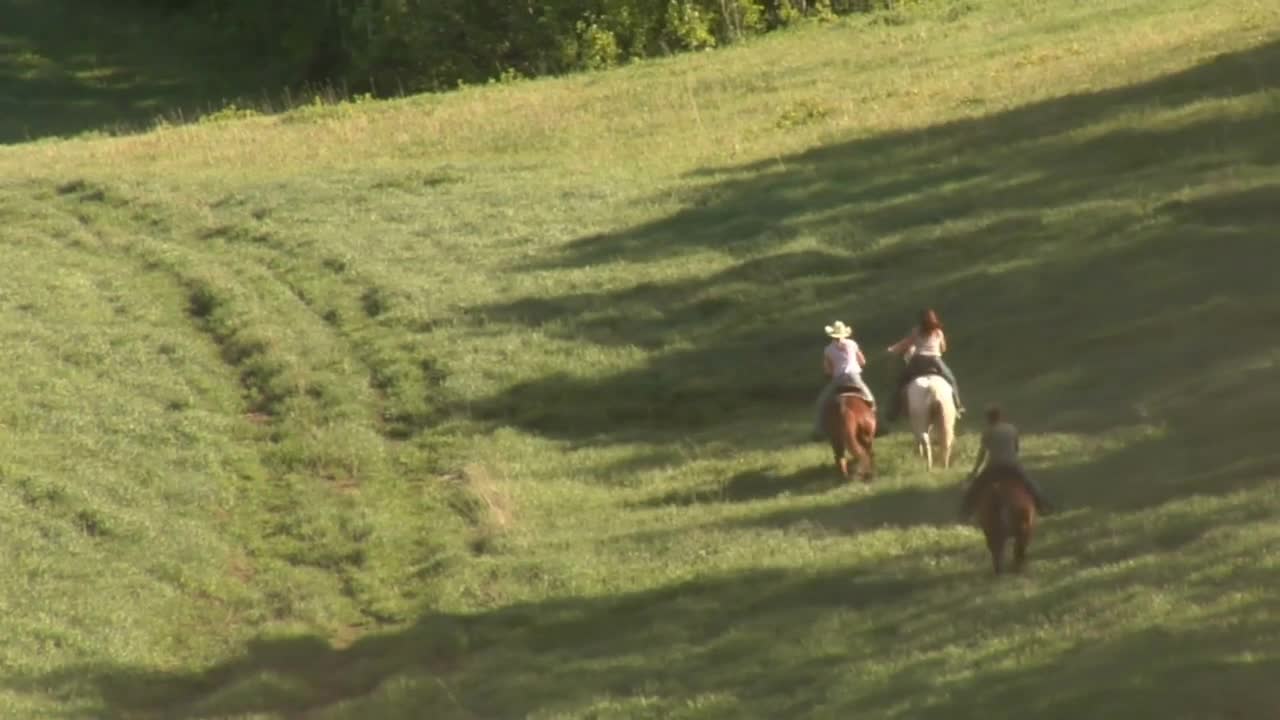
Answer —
(851, 425)
(1006, 510)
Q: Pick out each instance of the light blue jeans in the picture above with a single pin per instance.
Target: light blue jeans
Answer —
(846, 380)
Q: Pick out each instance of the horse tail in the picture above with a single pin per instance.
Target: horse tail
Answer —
(852, 428)
(861, 421)
(866, 432)
(943, 412)
(1022, 512)
(864, 436)
(1022, 503)
(947, 419)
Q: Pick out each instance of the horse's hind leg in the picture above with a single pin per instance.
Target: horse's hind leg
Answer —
(1021, 541)
(842, 462)
(864, 462)
(995, 545)
(869, 457)
(857, 444)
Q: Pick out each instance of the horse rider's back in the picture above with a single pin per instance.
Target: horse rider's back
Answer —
(1001, 443)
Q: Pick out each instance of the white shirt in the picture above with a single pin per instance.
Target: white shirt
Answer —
(930, 344)
(844, 358)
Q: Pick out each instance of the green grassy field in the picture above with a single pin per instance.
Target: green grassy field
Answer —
(492, 404)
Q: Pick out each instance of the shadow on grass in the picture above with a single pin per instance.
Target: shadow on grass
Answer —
(1083, 264)
(524, 658)
(1203, 448)
(774, 643)
(1014, 164)
(900, 508)
(70, 67)
(752, 485)
(1211, 437)
(1192, 670)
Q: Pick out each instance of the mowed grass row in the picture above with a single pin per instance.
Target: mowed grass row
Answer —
(492, 404)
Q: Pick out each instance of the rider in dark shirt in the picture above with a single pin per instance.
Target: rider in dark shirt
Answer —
(1000, 448)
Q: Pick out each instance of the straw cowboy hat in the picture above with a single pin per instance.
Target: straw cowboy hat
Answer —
(839, 330)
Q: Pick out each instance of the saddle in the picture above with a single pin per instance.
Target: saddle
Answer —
(989, 480)
(843, 390)
(922, 366)
(994, 477)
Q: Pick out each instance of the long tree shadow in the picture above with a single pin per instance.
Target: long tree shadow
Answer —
(1210, 437)
(1031, 158)
(753, 485)
(900, 508)
(779, 643)
(1083, 265)
(69, 67)
(524, 658)
(1191, 668)
(1180, 459)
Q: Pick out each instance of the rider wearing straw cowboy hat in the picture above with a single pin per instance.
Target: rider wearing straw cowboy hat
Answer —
(842, 362)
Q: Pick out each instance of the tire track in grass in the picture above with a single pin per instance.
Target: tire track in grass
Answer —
(310, 401)
(362, 315)
(407, 383)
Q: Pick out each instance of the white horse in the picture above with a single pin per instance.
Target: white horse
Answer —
(932, 409)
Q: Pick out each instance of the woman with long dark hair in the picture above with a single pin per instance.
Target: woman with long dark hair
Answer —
(924, 345)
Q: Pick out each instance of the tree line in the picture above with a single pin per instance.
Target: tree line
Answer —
(388, 46)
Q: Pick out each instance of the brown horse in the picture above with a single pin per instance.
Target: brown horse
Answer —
(1006, 510)
(851, 425)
